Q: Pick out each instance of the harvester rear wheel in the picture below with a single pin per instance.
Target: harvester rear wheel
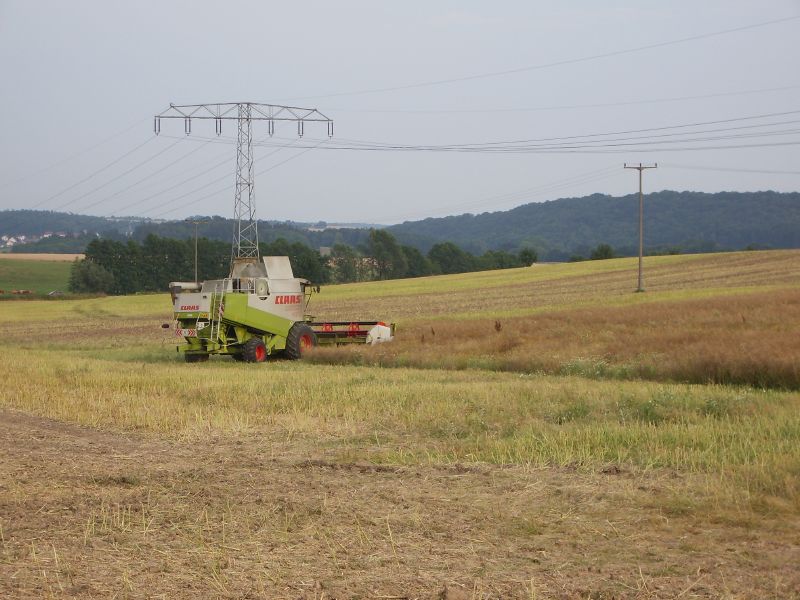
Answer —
(300, 339)
(254, 350)
(195, 358)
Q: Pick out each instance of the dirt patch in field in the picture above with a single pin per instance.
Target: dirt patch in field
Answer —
(87, 513)
(34, 256)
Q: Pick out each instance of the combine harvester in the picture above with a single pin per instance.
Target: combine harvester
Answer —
(260, 309)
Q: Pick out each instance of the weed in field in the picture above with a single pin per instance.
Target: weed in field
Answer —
(573, 412)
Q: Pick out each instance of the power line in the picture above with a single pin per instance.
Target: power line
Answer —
(729, 169)
(564, 183)
(516, 145)
(587, 147)
(219, 191)
(190, 192)
(72, 156)
(553, 64)
(118, 177)
(224, 161)
(568, 106)
(94, 174)
(146, 177)
(205, 170)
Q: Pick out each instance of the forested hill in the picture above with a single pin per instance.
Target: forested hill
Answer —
(79, 230)
(557, 230)
(692, 221)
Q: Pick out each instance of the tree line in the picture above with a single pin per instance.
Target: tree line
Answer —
(117, 267)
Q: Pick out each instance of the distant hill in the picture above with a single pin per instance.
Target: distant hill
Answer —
(691, 221)
(558, 229)
(67, 232)
(217, 228)
(39, 222)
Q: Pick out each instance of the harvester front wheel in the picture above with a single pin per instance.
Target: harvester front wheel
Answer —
(254, 350)
(300, 339)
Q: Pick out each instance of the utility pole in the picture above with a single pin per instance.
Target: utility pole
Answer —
(641, 168)
(245, 235)
(196, 223)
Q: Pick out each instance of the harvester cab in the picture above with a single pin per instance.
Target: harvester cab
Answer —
(259, 311)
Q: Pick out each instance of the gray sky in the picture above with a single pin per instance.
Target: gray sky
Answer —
(77, 73)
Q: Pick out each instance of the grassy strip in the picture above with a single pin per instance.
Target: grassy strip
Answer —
(746, 437)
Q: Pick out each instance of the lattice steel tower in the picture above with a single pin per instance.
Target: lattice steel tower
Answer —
(245, 233)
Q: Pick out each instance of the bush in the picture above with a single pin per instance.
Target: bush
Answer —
(602, 252)
(86, 276)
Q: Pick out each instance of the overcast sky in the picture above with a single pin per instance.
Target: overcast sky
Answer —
(78, 74)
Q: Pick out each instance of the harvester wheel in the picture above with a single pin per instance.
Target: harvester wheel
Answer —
(195, 358)
(254, 350)
(301, 338)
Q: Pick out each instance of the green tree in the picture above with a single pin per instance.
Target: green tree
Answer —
(390, 261)
(418, 264)
(87, 277)
(121, 260)
(528, 256)
(163, 260)
(213, 258)
(602, 252)
(449, 258)
(344, 261)
(498, 259)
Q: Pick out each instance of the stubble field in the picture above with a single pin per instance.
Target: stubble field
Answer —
(532, 433)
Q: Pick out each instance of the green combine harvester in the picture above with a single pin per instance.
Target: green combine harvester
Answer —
(260, 309)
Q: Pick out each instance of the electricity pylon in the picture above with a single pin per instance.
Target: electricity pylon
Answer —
(245, 234)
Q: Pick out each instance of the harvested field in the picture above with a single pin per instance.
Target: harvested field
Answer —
(581, 451)
(96, 514)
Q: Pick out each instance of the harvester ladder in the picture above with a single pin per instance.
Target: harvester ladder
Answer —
(217, 308)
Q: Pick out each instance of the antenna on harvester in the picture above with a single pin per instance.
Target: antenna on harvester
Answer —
(245, 233)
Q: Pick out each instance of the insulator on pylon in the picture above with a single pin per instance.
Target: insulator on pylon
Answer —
(330, 128)
(218, 124)
(187, 126)
(300, 128)
(156, 125)
(271, 127)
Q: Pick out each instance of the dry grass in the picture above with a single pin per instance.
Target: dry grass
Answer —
(141, 476)
(747, 339)
(91, 514)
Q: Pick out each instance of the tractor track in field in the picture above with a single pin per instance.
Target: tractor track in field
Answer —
(91, 513)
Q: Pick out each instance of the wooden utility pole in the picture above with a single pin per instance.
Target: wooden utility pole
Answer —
(196, 223)
(641, 168)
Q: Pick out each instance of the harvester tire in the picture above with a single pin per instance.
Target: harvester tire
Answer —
(195, 358)
(254, 350)
(301, 338)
